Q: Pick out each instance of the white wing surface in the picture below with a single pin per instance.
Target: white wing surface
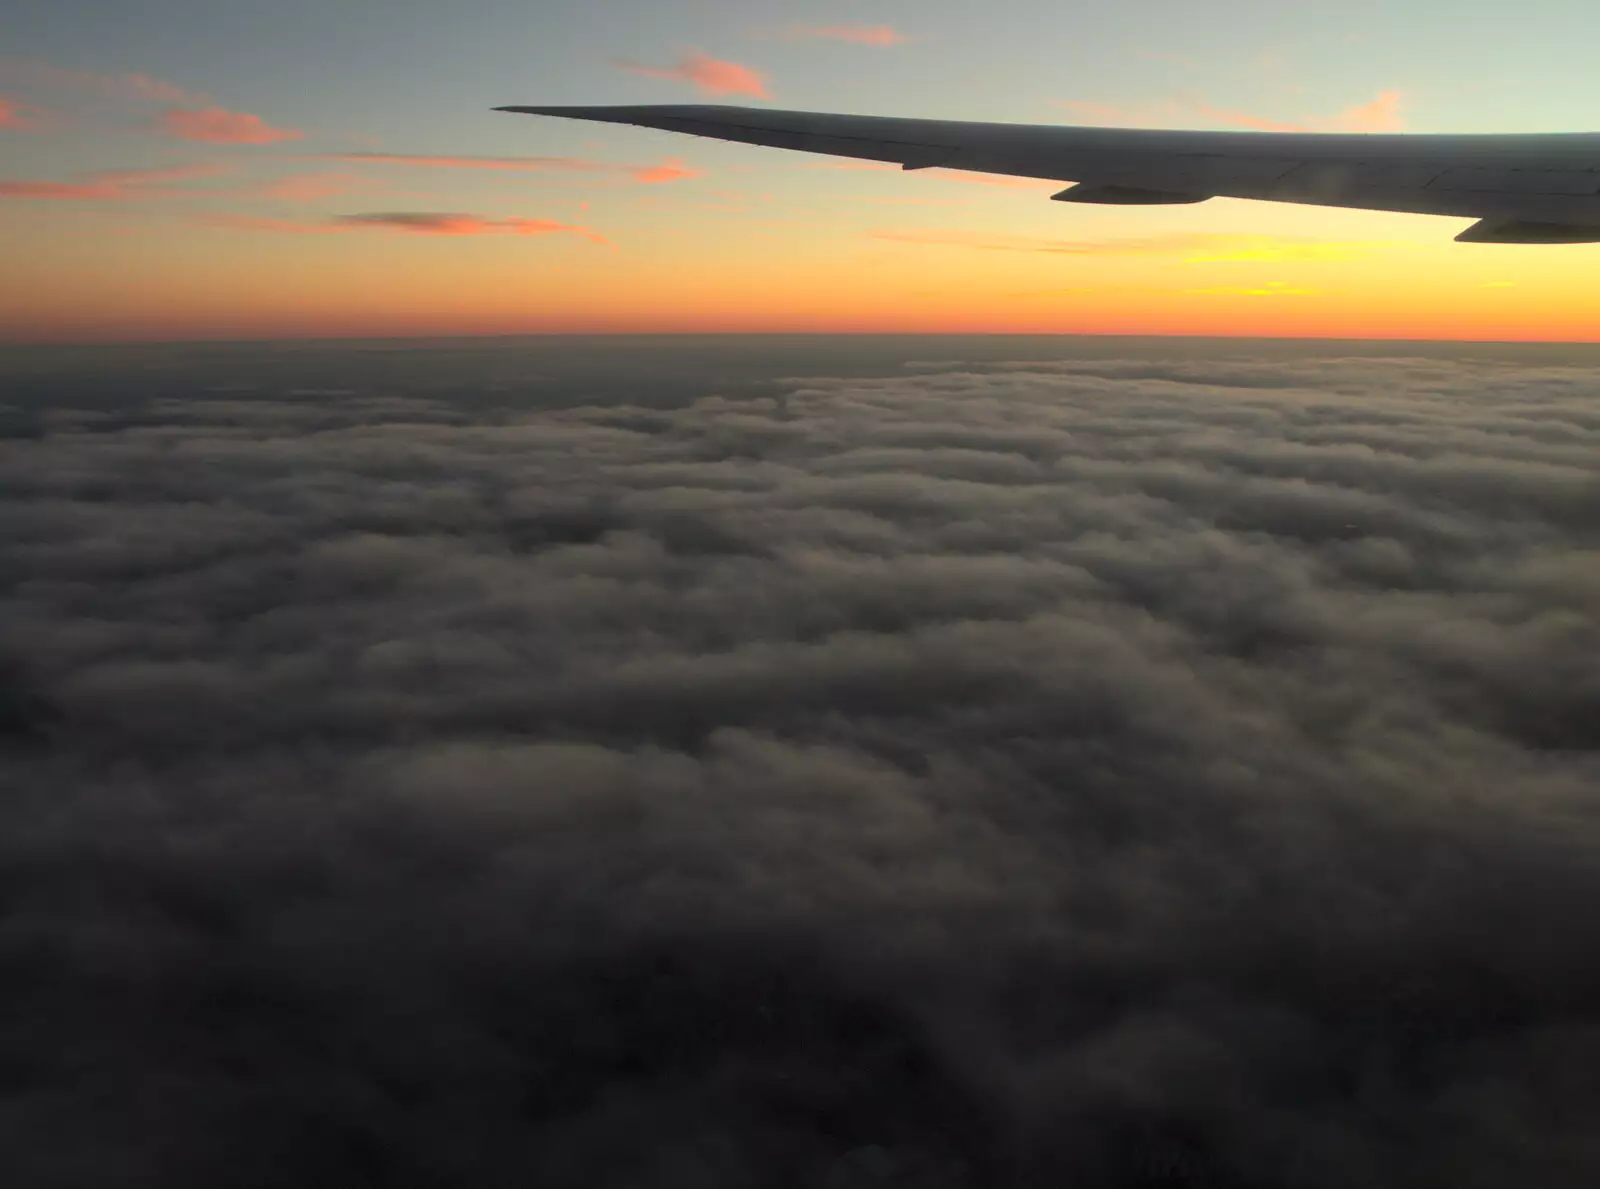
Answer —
(1523, 188)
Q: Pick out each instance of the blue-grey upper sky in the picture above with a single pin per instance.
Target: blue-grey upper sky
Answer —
(420, 65)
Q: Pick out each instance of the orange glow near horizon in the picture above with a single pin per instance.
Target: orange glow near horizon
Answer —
(142, 202)
(368, 285)
(203, 313)
(624, 255)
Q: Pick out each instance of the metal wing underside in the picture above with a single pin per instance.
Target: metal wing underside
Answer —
(1540, 188)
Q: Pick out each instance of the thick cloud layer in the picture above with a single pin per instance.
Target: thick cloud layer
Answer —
(1101, 772)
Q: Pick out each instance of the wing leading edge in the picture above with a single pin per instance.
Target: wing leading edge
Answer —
(1523, 188)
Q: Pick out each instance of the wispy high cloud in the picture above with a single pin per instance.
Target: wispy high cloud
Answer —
(1195, 248)
(520, 164)
(16, 114)
(155, 90)
(134, 88)
(860, 34)
(1380, 114)
(220, 126)
(115, 184)
(1094, 112)
(670, 169)
(711, 76)
(444, 223)
(448, 223)
(1236, 118)
(190, 115)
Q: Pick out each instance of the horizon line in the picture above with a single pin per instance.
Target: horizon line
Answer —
(15, 344)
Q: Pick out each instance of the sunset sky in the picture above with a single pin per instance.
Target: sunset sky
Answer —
(185, 170)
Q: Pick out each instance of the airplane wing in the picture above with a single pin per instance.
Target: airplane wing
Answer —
(1522, 188)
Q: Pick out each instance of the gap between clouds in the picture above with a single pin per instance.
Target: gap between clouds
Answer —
(190, 115)
(310, 187)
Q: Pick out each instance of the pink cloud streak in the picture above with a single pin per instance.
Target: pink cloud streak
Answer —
(136, 88)
(1381, 115)
(860, 34)
(442, 223)
(712, 76)
(446, 223)
(115, 184)
(671, 169)
(1243, 119)
(15, 114)
(220, 126)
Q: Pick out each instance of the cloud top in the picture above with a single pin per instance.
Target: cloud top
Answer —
(427, 766)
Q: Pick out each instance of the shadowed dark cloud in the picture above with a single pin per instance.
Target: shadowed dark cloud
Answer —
(1124, 772)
